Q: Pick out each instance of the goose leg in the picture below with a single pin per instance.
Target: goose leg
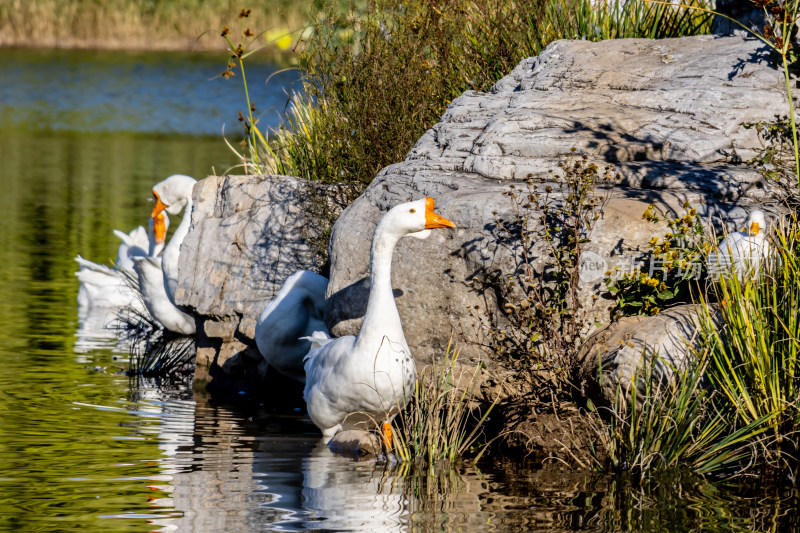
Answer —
(327, 434)
(386, 430)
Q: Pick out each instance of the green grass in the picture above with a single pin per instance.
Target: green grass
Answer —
(736, 410)
(441, 422)
(657, 426)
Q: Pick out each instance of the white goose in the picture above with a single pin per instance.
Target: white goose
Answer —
(102, 287)
(139, 243)
(370, 375)
(134, 244)
(174, 195)
(154, 295)
(105, 288)
(296, 312)
(742, 251)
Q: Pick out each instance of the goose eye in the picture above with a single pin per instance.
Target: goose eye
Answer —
(412, 210)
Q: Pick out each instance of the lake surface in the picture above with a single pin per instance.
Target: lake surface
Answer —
(83, 137)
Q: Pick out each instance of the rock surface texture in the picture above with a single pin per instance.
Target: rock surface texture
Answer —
(666, 113)
(612, 357)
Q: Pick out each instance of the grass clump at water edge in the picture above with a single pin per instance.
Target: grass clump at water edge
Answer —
(442, 422)
(674, 424)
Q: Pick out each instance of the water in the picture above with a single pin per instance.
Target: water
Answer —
(83, 136)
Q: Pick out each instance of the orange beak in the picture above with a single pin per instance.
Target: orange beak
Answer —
(754, 228)
(432, 220)
(159, 207)
(159, 227)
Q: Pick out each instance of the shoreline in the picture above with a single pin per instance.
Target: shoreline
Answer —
(185, 44)
(132, 45)
(141, 25)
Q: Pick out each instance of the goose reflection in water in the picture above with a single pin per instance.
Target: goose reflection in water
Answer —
(357, 496)
(220, 469)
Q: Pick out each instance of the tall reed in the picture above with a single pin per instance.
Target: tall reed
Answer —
(141, 24)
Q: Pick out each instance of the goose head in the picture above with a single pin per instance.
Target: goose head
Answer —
(172, 194)
(415, 219)
(755, 223)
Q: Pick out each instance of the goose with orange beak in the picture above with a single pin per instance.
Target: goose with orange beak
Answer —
(174, 195)
(744, 251)
(151, 283)
(355, 380)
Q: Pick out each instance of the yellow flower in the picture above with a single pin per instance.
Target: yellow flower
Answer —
(657, 250)
(280, 37)
(662, 287)
(692, 212)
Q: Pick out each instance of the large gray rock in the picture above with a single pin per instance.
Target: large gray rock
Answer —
(667, 113)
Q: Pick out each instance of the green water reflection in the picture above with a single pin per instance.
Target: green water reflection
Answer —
(73, 450)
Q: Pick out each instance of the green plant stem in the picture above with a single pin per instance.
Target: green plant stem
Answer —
(250, 114)
(791, 117)
(254, 145)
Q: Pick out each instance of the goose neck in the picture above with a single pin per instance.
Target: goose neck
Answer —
(381, 318)
(183, 228)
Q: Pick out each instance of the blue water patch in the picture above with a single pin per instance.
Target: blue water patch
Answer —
(154, 92)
